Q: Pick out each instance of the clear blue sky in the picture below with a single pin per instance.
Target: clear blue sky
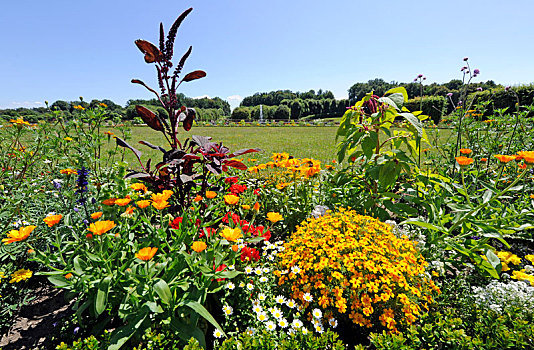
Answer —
(60, 49)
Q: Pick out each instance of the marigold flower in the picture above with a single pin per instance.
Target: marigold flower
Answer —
(256, 206)
(102, 105)
(274, 217)
(161, 204)
(109, 133)
(483, 160)
(143, 203)
(52, 220)
(18, 235)
(96, 215)
(109, 201)
(231, 234)
(68, 276)
(282, 185)
(19, 122)
(129, 210)
(68, 138)
(121, 202)
(68, 171)
(464, 161)
(245, 207)
(100, 227)
(465, 151)
(139, 187)
(504, 158)
(532, 196)
(231, 199)
(164, 196)
(211, 194)
(146, 254)
(20, 275)
(198, 198)
(527, 156)
(78, 107)
(198, 246)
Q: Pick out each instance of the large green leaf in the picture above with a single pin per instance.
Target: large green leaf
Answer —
(414, 121)
(388, 174)
(122, 335)
(201, 310)
(186, 331)
(164, 292)
(102, 295)
(398, 90)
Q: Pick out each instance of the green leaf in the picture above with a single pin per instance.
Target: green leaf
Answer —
(487, 196)
(102, 295)
(185, 331)
(493, 260)
(201, 310)
(399, 90)
(388, 174)
(422, 224)
(414, 121)
(58, 281)
(164, 292)
(389, 101)
(369, 144)
(122, 335)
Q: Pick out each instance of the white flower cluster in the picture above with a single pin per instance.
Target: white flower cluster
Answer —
(499, 296)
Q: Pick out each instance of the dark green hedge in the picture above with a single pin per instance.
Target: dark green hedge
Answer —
(433, 106)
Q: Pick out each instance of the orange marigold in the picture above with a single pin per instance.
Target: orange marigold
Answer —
(465, 151)
(504, 158)
(231, 199)
(101, 227)
(122, 202)
(138, 187)
(161, 204)
(146, 254)
(274, 217)
(96, 215)
(198, 246)
(464, 161)
(211, 194)
(18, 235)
(528, 156)
(109, 201)
(143, 203)
(68, 171)
(52, 220)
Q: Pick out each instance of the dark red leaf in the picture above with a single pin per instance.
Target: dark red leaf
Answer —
(189, 117)
(243, 151)
(152, 53)
(149, 118)
(235, 164)
(194, 75)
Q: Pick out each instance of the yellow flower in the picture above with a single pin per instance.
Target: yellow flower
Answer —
(102, 105)
(161, 204)
(198, 246)
(211, 194)
(96, 215)
(121, 202)
(274, 217)
(52, 220)
(20, 275)
(245, 207)
(504, 158)
(231, 234)
(282, 185)
(18, 235)
(143, 203)
(101, 227)
(530, 258)
(78, 107)
(146, 254)
(68, 171)
(68, 138)
(528, 156)
(19, 122)
(231, 199)
(139, 187)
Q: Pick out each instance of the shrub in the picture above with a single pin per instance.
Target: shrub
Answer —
(433, 106)
(348, 264)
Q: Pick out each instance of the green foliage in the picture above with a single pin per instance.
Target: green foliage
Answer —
(433, 106)
(241, 113)
(270, 341)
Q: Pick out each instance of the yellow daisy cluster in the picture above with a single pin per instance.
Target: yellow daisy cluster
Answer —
(354, 265)
(305, 167)
(508, 258)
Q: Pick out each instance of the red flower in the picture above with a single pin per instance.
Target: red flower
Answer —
(237, 189)
(176, 223)
(249, 254)
(231, 180)
(257, 191)
(259, 232)
(220, 268)
(235, 218)
(207, 230)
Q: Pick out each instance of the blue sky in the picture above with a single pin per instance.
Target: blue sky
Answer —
(60, 49)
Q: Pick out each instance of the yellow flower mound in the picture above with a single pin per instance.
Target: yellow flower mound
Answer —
(353, 265)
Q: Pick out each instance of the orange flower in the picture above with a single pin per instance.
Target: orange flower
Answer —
(211, 194)
(483, 160)
(101, 227)
(139, 187)
(18, 235)
(198, 198)
(231, 234)
(51, 220)
(143, 203)
(532, 196)
(161, 204)
(129, 210)
(245, 207)
(68, 276)
(146, 254)
(464, 161)
(256, 206)
(121, 202)
(198, 246)
(68, 171)
(96, 215)
(231, 199)
(235, 248)
(504, 158)
(164, 196)
(465, 151)
(528, 156)
(274, 217)
(109, 201)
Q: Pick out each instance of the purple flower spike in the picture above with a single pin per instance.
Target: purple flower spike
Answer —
(465, 59)
(479, 89)
(449, 94)
(420, 76)
(476, 71)
(415, 79)
(507, 88)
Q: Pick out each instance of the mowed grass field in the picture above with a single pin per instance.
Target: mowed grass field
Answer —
(301, 142)
(313, 142)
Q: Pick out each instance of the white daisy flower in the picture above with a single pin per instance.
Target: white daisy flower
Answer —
(258, 271)
(263, 279)
(280, 299)
(240, 246)
(262, 297)
(295, 269)
(271, 326)
(333, 322)
(319, 329)
(231, 267)
(290, 303)
(277, 313)
(282, 322)
(250, 286)
(297, 323)
(270, 257)
(228, 310)
(241, 284)
(257, 309)
(255, 302)
(262, 316)
(217, 333)
(307, 297)
(251, 331)
(230, 285)
(291, 331)
(266, 270)
(304, 331)
(317, 313)
(248, 270)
